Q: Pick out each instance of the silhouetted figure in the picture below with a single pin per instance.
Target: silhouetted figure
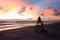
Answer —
(39, 20)
(39, 26)
(42, 27)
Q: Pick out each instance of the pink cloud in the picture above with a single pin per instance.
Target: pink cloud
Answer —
(1, 8)
(13, 3)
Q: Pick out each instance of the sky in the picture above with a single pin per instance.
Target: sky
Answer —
(30, 9)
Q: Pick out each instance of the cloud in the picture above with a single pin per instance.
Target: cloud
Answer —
(21, 10)
(56, 13)
(51, 0)
(14, 4)
(1, 8)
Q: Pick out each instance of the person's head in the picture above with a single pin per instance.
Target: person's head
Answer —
(39, 17)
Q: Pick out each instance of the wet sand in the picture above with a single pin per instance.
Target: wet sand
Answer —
(28, 33)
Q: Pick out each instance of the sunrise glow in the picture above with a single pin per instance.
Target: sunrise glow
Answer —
(24, 9)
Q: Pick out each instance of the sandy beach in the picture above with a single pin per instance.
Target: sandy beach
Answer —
(28, 33)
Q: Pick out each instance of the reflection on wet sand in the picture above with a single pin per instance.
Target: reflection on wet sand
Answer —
(8, 25)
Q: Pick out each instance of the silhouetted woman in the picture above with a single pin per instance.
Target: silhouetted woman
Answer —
(38, 25)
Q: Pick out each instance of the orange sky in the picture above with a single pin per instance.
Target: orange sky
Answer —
(11, 6)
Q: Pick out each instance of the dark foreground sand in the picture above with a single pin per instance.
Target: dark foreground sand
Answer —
(28, 33)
